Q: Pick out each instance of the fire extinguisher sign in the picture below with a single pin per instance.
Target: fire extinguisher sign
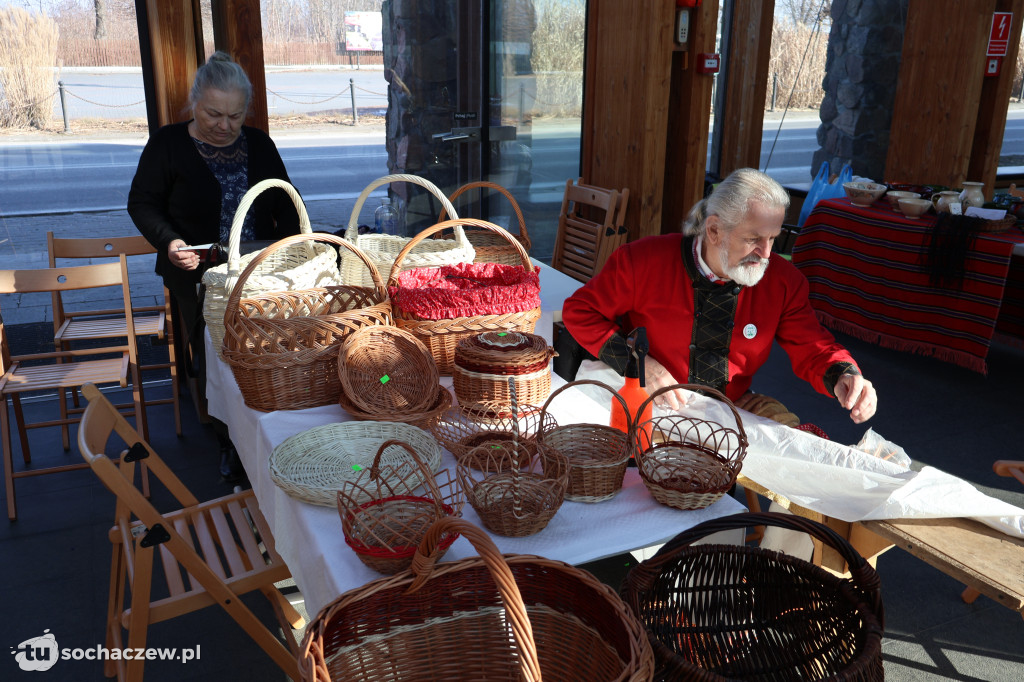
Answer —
(999, 37)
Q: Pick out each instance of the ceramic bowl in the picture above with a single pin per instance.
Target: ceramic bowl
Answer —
(864, 193)
(894, 196)
(914, 208)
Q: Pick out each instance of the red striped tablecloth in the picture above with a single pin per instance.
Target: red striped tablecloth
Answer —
(868, 278)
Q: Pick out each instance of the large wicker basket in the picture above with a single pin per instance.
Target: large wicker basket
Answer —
(442, 336)
(381, 249)
(303, 265)
(484, 363)
(283, 346)
(385, 530)
(598, 454)
(687, 462)
(729, 612)
(490, 617)
(312, 465)
(491, 248)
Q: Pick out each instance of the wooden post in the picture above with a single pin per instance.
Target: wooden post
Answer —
(169, 40)
(746, 85)
(238, 30)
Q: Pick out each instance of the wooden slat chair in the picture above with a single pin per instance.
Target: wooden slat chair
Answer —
(591, 224)
(79, 325)
(211, 552)
(1010, 469)
(61, 370)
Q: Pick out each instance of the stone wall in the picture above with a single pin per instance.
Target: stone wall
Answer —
(861, 71)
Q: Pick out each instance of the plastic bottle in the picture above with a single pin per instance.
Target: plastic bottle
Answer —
(386, 217)
(634, 391)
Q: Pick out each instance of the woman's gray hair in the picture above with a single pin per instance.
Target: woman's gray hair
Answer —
(731, 200)
(220, 73)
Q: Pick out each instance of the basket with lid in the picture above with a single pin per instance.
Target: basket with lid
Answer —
(484, 362)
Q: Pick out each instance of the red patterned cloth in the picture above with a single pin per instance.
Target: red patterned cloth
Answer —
(868, 279)
(466, 290)
(816, 430)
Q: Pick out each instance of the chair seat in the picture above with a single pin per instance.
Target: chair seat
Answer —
(110, 328)
(229, 543)
(23, 379)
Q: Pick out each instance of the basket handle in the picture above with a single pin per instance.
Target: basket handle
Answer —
(425, 559)
(580, 382)
(866, 579)
(718, 395)
(235, 236)
(428, 475)
(457, 223)
(231, 307)
(352, 229)
(522, 236)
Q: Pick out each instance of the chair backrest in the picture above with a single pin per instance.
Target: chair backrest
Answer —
(591, 225)
(100, 421)
(60, 279)
(95, 247)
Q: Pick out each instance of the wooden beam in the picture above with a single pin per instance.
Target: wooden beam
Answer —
(746, 84)
(627, 76)
(170, 29)
(940, 83)
(238, 30)
(995, 98)
(686, 141)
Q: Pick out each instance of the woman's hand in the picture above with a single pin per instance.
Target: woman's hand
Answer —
(186, 260)
(657, 377)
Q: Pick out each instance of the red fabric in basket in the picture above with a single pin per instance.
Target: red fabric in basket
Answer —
(466, 290)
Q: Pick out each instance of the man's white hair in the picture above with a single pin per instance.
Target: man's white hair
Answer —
(731, 200)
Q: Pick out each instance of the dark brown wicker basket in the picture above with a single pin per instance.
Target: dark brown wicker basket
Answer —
(727, 612)
(462, 429)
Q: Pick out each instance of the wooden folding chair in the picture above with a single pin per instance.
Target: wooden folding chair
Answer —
(591, 224)
(211, 552)
(78, 325)
(61, 370)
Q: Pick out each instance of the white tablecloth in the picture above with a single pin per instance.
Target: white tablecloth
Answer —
(310, 538)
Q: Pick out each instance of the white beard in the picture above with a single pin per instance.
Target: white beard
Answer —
(744, 274)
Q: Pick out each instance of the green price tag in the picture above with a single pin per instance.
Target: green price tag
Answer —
(385, 379)
(502, 333)
(356, 467)
(496, 447)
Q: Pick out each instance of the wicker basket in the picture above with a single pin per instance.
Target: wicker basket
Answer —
(512, 499)
(597, 453)
(491, 248)
(490, 617)
(484, 362)
(312, 465)
(463, 429)
(686, 462)
(441, 336)
(303, 265)
(382, 248)
(387, 371)
(728, 612)
(424, 420)
(283, 347)
(385, 531)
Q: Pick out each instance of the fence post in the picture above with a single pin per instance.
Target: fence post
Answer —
(522, 103)
(352, 90)
(63, 106)
(775, 87)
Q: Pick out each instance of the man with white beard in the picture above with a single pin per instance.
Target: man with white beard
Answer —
(713, 299)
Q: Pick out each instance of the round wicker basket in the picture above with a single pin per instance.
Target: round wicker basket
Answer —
(686, 462)
(312, 466)
(484, 363)
(492, 248)
(386, 370)
(597, 453)
(466, 429)
(424, 420)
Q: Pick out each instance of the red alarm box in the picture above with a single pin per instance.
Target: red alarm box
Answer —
(707, 62)
(687, 3)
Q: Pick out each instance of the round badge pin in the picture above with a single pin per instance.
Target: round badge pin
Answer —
(750, 331)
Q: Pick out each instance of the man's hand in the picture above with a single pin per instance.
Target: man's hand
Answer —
(186, 260)
(856, 394)
(657, 376)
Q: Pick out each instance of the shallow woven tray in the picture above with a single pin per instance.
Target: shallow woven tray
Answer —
(385, 370)
(312, 466)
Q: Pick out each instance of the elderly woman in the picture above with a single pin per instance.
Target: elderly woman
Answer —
(191, 178)
(713, 300)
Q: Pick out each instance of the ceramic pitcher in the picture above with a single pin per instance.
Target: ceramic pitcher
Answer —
(942, 200)
(972, 195)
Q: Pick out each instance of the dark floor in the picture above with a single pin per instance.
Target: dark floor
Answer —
(54, 560)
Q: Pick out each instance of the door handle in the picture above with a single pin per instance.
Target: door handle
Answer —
(456, 134)
(450, 137)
